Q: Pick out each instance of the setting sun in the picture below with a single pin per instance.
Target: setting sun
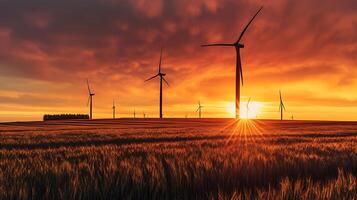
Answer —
(250, 111)
(254, 109)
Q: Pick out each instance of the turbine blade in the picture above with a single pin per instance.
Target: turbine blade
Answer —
(210, 45)
(283, 106)
(246, 27)
(88, 87)
(151, 77)
(248, 100)
(88, 100)
(241, 73)
(165, 81)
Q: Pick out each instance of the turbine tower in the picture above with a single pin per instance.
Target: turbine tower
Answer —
(248, 108)
(161, 75)
(113, 109)
(239, 72)
(199, 109)
(90, 101)
(281, 106)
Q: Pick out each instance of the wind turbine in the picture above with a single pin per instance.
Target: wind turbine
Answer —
(161, 75)
(248, 108)
(90, 101)
(134, 113)
(113, 109)
(239, 72)
(281, 106)
(199, 109)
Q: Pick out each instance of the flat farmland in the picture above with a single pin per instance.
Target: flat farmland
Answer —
(178, 159)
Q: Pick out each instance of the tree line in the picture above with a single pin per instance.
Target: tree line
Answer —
(47, 117)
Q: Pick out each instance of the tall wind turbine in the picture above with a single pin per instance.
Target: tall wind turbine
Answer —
(281, 106)
(113, 109)
(239, 72)
(199, 109)
(90, 101)
(248, 108)
(161, 75)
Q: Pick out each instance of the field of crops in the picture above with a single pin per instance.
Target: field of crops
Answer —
(178, 159)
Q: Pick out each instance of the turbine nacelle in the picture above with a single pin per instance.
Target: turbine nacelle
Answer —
(161, 74)
(238, 45)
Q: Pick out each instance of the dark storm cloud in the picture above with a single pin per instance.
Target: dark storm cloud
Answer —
(108, 40)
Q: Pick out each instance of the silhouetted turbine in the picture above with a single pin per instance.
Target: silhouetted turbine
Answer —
(248, 108)
(113, 109)
(239, 71)
(199, 109)
(90, 101)
(161, 75)
(281, 106)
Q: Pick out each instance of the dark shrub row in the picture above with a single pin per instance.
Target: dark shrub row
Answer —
(65, 116)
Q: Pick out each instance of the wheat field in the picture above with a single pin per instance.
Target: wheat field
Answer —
(178, 159)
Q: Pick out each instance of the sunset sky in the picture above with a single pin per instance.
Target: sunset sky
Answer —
(307, 49)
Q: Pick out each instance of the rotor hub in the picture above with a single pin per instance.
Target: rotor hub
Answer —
(240, 45)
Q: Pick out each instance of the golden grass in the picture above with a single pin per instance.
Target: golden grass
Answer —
(178, 160)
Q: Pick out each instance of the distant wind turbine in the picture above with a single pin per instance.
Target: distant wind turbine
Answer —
(144, 114)
(134, 113)
(161, 75)
(292, 117)
(248, 108)
(90, 101)
(199, 109)
(239, 71)
(113, 109)
(281, 106)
